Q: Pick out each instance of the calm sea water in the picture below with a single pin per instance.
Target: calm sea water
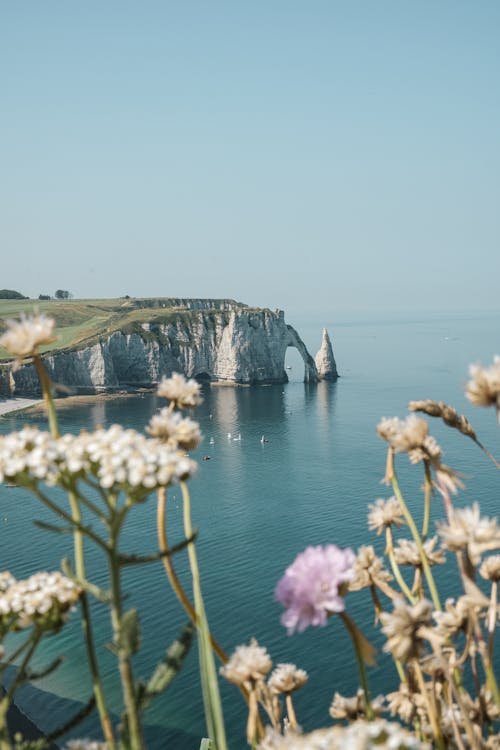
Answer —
(258, 504)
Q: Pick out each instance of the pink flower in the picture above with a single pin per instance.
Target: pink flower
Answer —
(311, 587)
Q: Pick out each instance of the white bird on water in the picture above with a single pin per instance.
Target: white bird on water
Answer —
(229, 436)
(239, 436)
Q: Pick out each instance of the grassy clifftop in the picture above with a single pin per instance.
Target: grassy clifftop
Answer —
(79, 321)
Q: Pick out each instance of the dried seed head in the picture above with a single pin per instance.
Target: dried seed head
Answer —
(403, 628)
(483, 389)
(384, 513)
(286, 678)
(355, 707)
(407, 553)
(447, 413)
(466, 530)
(368, 569)
(23, 337)
(490, 568)
(247, 664)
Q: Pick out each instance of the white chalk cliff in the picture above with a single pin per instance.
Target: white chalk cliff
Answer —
(238, 344)
(325, 361)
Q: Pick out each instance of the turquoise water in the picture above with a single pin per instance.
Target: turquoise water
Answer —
(258, 504)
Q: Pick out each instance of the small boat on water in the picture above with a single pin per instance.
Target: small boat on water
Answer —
(264, 439)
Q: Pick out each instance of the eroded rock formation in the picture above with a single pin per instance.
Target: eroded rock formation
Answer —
(325, 361)
(236, 344)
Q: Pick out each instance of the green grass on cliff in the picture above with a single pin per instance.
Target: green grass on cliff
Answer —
(81, 321)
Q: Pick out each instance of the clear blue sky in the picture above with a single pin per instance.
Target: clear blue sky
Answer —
(313, 155)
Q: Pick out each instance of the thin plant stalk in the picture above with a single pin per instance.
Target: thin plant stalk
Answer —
(389, 550)
(427, 500)
(416, 536)
(171, 574)
(87, 628)
(124, 661)
(210, 686)
(355, 633)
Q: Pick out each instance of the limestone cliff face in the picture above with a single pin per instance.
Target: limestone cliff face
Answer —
(232, 345)
(325, 361)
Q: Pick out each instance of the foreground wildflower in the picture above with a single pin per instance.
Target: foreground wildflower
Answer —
(406, 703)
(182, 393)
(6, 581)
(355, 707)
(406, 627)
(385, 513)
(286, 678)
(360, 735)
(407, 553)
(490, 568)
(483, 389)
(368, 570)
(121, 460)
(468, 531)
(247, 664)
(23, 337)
(43, 600)
(313, 586)
(85, 744)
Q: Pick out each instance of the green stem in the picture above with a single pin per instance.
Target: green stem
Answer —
(427, 500)
(124, 661)
(353, 631)
(395, 567)
(416, 536)
(47, 395)
(87, 627)
(210, 686)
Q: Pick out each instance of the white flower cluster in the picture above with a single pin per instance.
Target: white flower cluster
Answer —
(85, 744)
(23, 337)
(43, 600)
(29, 452)
(119, 459)
(360, 735)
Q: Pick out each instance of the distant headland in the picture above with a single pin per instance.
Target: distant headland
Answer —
(108, 344)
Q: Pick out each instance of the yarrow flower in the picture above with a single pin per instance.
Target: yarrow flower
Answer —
(313, 586)
(360, 735)
(184, 394)
(286, 678)
(23, 337)
(483, 389)
(247, 664)
(43, 600)
(120, 459)
(175, 430)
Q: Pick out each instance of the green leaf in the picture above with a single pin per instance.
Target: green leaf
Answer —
(168, 667)
(129, 635)
(54, 529)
